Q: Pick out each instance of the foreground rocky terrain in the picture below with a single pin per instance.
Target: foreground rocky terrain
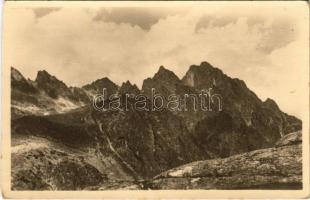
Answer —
(39, 164)
(279, 167)
(44, 165)
(60, 142)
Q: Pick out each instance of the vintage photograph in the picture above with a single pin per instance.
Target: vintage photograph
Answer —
(157, 96)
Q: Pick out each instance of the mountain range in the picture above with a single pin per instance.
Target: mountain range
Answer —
(60, 142)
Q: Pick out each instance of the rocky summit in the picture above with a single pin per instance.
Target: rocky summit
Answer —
(247, 144)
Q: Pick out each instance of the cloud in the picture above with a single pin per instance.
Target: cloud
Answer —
(282, 32)
(145, 18)
(208, 21)
(274, 33)
(43, 11)
(249, 44)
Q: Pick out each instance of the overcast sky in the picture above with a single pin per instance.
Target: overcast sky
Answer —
(258, 43)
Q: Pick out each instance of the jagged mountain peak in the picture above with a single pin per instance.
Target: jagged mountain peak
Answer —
(99, 84)
(164, 80)
(104, 80)
(162, 68)
(204, 68)
(199, 74)
(165, 74)
(43, 73)
(43, 77)
(51, 85)
(16, 75)
(128, 84)
(19, 82)
(127, 87)
(270, 103)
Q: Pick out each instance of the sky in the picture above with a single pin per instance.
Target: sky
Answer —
(263, 44)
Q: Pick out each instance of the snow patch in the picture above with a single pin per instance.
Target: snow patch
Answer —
(181, 172)
(22, 148)
(63, 105)
(27, 108)
(194, 180)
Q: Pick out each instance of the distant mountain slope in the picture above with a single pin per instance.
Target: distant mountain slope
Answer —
(46, 95)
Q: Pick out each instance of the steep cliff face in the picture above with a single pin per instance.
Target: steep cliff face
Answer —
(149, 141)
(164, 82)
(273, 168)
(236, 121)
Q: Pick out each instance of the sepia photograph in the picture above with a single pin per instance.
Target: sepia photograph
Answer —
(155, 98)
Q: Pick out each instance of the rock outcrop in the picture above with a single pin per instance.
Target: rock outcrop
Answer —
(51, 169)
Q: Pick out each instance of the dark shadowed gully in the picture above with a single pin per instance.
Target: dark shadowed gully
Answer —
(204, 131)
